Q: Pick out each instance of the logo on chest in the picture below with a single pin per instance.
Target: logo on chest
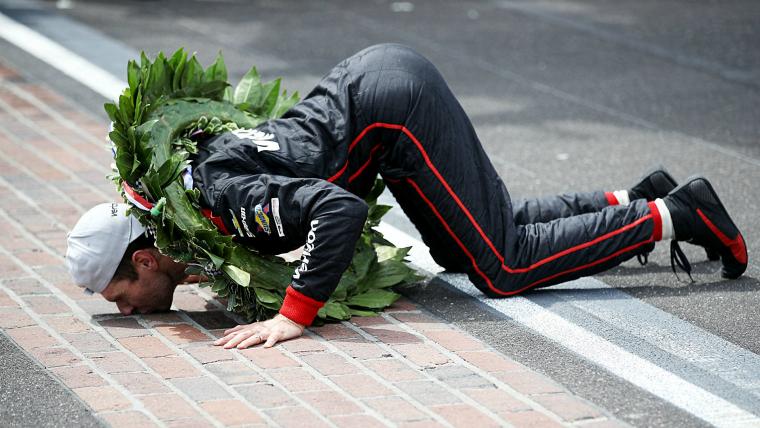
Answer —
(264, 141)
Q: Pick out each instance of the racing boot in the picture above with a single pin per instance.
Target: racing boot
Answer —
(657, 183)
(700, 218)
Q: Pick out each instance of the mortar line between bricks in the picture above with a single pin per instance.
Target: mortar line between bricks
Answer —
(380, 379)
(44, 157)
(40, 321)
(103, 333)
(47, 134)
(55, 115)
(461, 361)
(190, 360)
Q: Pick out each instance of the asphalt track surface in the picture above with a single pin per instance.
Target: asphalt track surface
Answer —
(565, 95)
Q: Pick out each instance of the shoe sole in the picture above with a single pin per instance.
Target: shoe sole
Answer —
(733, 266)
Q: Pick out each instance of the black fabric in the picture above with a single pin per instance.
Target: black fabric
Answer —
(387, 110)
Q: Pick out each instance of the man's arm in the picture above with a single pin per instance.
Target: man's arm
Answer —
(275, 213)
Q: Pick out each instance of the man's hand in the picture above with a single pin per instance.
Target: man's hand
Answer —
(268, 332)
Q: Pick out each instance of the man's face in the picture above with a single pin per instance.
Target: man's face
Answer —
(150, 292)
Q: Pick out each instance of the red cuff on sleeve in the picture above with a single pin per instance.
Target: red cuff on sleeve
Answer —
(657, 218)
(611, 199)
(299, 307)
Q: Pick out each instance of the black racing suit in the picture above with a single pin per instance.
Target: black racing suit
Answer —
(299, 179)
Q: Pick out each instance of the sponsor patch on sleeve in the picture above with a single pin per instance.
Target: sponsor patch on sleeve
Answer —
(276, 215)
(262, 219)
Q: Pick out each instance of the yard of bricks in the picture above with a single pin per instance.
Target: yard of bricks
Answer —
(402, 368)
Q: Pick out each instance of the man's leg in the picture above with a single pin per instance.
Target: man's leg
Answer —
(548, 208)
(436, 167)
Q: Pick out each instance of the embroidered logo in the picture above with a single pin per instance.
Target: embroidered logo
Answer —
(264, 141)
(307, 249)
(244, 217)
(276, 215)
(236, 224)
(262, 219)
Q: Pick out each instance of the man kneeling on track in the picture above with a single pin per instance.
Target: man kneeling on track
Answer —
(387, 110)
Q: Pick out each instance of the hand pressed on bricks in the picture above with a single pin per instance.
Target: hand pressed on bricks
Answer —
(268, 332)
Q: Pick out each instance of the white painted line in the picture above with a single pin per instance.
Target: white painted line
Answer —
(667, 332)
(57, 56)
(618, 361)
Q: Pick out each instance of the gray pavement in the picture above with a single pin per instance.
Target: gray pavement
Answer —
(565, 95)
(31, 397)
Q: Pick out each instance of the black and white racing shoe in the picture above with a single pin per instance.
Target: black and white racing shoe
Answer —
(656, 183)
(700, 218)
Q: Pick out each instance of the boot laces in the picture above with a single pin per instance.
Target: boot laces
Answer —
(678, 258)
(643, 258)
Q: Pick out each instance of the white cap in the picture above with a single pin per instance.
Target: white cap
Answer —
(98, 242)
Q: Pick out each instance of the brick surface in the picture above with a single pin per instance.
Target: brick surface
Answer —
(265, 396)
(234, 373)
(295, 417)
(55, 357)
(396, 409)
(131, 419)
(529, 419)
(205, 354)
(67, 324)
(201, 388)
(462, 415)
(25, 286)
(303, 344)
(88, 342)
(361, 349)
(330, 364)
(351, 421)
(336, 331)
(78, 376)
(141, 383)
(14, 318)
(268, 358)
(329, 403)
(101, 398)
(454, 340)
(169, 407)
(146, 346)
(182, 333)
(32, 337)
(392, 334)
(231, 412)
(123, 327)
(496, 400)
(297, 380)
(6, 301)
(212, 320)
(171, 367)
(459, 377)
(47, 304)
(427, 392)
(361, 386)
(115, 362)
(490, 361)
(422, 355)
(393, 370)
